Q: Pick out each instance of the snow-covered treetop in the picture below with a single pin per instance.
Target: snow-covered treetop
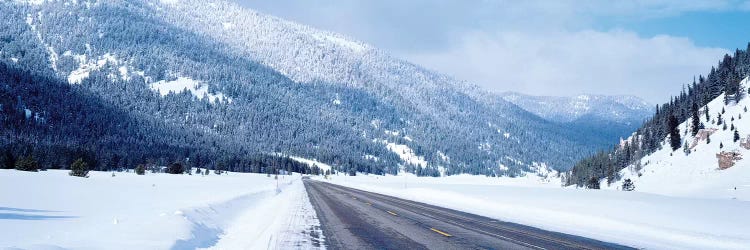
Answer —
(309, 55)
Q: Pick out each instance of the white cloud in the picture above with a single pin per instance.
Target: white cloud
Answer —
(745, 6)
(652, 8)
(569, 63)
(541, 47)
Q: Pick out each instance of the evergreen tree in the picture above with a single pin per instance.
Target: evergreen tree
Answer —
(140, 169)
(721, 145)
(628, 185)
(736, 135)
(593, 183)
(708, 116)
(686, 148)
(674, 133)
(7, 160)
(740, 93)
(708, 138)
(27, 163)
(695, 119)
(80, 168)
(175, 168)
(612, 175)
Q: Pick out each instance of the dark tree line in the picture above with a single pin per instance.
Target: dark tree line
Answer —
(79, 131)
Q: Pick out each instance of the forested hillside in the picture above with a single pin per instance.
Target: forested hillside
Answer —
(220, 86)
(663, 130)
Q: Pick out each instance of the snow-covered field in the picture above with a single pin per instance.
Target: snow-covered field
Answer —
(631, 218)
(51, 210)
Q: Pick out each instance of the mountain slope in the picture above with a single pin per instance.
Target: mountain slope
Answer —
(697, 170)
(308, 56)
(611, 117)
(49, 116)
(259, 85)
(664, 156)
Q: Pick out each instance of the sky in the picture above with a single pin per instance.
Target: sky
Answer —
(645, 48)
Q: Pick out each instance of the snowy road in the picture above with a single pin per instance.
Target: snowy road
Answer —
(354, 219)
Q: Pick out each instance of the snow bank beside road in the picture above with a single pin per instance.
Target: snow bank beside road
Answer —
(286, 221)
(629, 218)
(156, 211)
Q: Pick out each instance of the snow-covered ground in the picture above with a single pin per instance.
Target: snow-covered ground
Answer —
(697, 174)
(404, 152)
(631, 218)
(51, 210)
(197, 88)
(311, 162)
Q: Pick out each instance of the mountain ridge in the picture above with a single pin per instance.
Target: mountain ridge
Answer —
(356, 112)
(619, 108)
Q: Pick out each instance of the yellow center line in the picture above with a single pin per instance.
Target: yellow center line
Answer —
(441, 232)
(491, 225)
(392, 213)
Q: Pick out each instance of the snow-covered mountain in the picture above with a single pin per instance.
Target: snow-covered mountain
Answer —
(611, 117)
(227, 87)
(628, 110)
(713, 163)
(693, 145)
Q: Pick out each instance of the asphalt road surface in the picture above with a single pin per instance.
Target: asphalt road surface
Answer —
(355, 219)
